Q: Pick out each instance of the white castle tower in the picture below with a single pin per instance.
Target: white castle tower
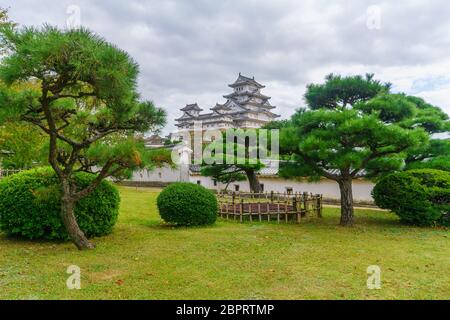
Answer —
(246, 107)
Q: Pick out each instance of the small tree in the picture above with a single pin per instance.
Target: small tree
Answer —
(338, 140)
(224, 173)
(86, 103)
(234, 160)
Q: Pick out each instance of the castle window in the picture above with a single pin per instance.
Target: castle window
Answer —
(236, 187)
(199, 182)
(289, 190)
(215, 182)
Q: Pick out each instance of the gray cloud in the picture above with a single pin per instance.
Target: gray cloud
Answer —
(190, 50)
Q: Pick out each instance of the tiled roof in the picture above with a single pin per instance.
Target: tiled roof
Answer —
(193, 106)
(272, 171)
(220, 106)
(250, 94)
(154, 138)
(267, 171)
(241, 80)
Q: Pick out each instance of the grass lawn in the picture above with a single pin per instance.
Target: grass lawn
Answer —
(143, 259)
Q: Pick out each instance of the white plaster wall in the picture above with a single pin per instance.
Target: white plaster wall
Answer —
(165, 174)
(328, 188)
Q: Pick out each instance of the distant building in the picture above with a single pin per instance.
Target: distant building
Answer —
(154, 141)
(246, 107)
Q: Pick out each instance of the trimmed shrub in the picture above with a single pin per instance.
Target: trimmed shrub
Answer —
(419, 197)
(30, 206)
(187, 204)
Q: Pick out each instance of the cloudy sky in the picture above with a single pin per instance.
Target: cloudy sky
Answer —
(189, 50)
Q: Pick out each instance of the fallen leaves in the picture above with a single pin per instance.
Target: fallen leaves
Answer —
(119, 282)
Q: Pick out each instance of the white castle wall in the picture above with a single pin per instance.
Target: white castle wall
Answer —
(361, 188)
(165, 175)
(329, 189)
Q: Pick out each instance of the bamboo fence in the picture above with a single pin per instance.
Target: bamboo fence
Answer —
(269, 206)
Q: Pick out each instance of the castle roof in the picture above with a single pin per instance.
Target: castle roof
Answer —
(244, 93)
(154, 139)
(243, 80)
(193, 106)
(220, 107)
(267, 105)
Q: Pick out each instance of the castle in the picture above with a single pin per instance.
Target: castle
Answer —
(246, 107)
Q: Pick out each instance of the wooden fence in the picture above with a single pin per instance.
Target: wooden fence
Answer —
(8, 172)
(268, 206)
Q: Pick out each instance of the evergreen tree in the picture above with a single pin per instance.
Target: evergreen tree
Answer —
(340, 138)
(86, 103)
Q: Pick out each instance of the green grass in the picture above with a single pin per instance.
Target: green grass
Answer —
(143, 259)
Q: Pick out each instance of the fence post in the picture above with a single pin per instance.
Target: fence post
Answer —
(242, 210)
(305, 202)
(297, 212)
(286, 217)
(234, 207)
(278, 211)
(250, 210)
(319, 205)
(259, 210)
(226, 205)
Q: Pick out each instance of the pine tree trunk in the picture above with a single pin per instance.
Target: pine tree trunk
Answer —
(347, 217)
(255, 186)
(70, 222)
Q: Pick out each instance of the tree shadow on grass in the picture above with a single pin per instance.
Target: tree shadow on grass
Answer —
(161, 225)
(378, 221)
(22, 242)
(14, 239)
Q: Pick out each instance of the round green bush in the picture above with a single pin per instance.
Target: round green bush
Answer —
(419, 197)
(30, 206)
(187, 204)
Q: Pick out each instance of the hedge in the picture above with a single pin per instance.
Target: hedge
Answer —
(187, 204)
(419, 197)
(30, 206)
